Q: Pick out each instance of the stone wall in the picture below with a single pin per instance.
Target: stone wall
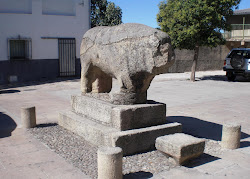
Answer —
(209, 59)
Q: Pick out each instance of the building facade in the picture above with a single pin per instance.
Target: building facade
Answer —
(40, 39)
(239, 36)
(213, 58)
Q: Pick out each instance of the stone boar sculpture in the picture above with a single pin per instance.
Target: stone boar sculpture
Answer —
(132, 53)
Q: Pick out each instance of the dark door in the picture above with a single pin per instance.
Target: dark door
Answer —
(67, 57)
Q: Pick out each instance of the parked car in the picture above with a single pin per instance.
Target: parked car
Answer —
(237, 63)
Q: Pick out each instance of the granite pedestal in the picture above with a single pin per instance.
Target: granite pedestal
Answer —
(134, 128)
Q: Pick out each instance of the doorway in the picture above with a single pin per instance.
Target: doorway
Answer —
(67, 57)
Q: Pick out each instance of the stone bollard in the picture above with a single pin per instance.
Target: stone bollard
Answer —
(231, 136)
(28, 117)
(109, 163)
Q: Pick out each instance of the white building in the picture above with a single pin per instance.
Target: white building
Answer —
(40, 39)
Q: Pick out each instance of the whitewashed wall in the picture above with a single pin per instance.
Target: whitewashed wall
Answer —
(31, 20)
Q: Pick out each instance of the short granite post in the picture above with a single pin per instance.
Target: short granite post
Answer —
(109, 163)
(231, 136)
(28, 117)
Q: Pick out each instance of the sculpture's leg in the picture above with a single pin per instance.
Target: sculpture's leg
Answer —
(146, 83)
(85, 81)
(142, 91)
(133, 90)
(102, 82)
(125, 84)
(127, 94)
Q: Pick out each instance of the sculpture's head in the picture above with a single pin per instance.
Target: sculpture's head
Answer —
(164, 57)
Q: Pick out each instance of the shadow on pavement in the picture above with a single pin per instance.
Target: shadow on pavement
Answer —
(224, 78)
(199, 128)
(46, 125)
(138, 175)
(8, 91)
(202, 159)
(244, 144)
(215, 78)
(7, 125)
(33, 83)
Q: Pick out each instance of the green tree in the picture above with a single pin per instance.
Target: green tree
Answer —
(194, 23)
(105, 13)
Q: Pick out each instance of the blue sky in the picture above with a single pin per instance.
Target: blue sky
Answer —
(144, 11)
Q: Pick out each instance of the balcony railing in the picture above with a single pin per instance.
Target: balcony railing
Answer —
(238, 32)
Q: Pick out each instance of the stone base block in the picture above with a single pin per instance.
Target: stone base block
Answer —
(122, 117)
(91, 131)
(142, 140)
(181, 147)
(131, 141)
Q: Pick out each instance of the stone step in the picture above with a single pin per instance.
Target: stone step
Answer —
(142, 140)
(131, 141)
(91, 131)
(122, 117)
(181, 147)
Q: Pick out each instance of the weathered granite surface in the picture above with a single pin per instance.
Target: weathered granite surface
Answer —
(131, 141)
(121, 117)
(131, 53)
(181, 147)
(134, 128)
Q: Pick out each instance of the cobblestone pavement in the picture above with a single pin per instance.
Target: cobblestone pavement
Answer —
(202, 107)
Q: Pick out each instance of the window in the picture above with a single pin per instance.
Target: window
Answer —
(241, 53)
(247, 55)
(16, 6)
(19, 49)
(59, 7)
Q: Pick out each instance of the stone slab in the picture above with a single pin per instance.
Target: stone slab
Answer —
(126, 117)
(93, 132)
(131, 141)
(122, 117)
(92, 108)
(142, 140)
(181, 147)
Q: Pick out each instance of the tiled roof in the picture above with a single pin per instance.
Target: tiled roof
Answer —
(242, 12)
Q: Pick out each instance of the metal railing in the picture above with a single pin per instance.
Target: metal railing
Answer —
(239, 31)
(67, 56)
(19, 49)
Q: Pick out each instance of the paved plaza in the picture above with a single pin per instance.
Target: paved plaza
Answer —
(202, 107)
